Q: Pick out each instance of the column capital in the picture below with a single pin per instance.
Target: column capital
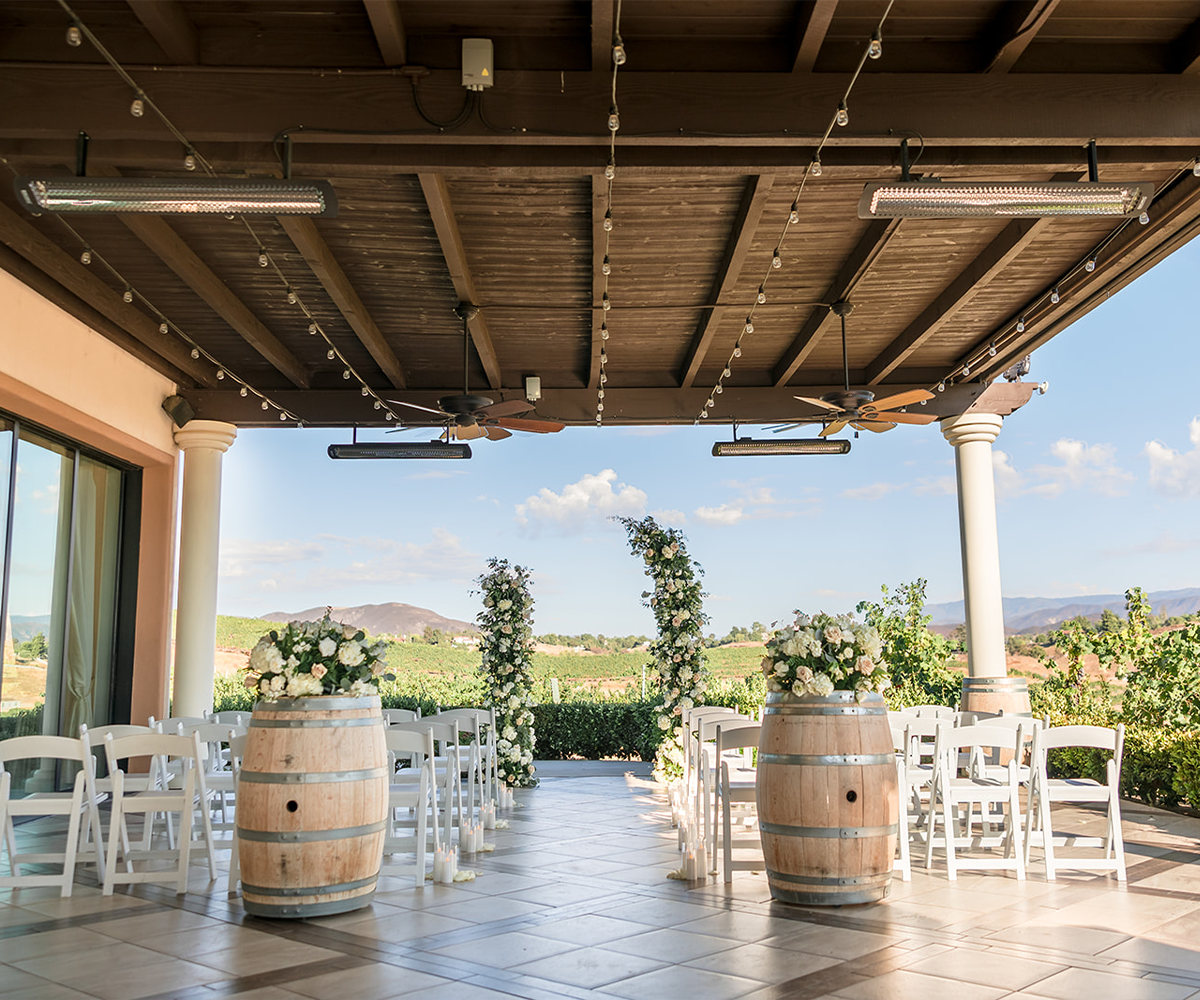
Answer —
(206, 434)
(969, 427)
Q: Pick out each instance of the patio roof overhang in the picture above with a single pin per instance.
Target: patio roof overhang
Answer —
(720, 116)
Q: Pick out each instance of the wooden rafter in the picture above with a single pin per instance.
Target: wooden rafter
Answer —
(811, 28)
(599, 206)
(303, 233)
(437, 197)
(602, 35)
(1015, 26)
(741, 235)
(873, 242)
(388, 27)
(83, 282)
(167, 21)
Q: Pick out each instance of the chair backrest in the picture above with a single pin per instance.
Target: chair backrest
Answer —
(693, 716)
(212, 736)
(171, 725)
(444, 732)
(96, 734)
(409, 741)
(394, 715)
(30, 747)
(1099, 737)
(464, 723)
(152, 745)
(232, 718)
(952, 738)
(932, 711)
(706, 728)
(737, 734)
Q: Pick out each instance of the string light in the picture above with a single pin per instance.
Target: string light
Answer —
(619, 57)
(163, 328)
(614, 119)
(86, 256)
(619, 54)
(74, 36)
(1054, 296)
(220, 374)
(1021, 325)
(762, 295)
(875, 49)
(189, 160)
(291, 297)
(815, 167)
(263, 259)
(1144, 218)
(243, 391)
(608, 222)
(1090, 266)
(128, 295)
(843, 114)
(610, 169)
(776, 260)
(606, 267)
(312, 329)
(137, 106)
(794, 214)
(992, 349)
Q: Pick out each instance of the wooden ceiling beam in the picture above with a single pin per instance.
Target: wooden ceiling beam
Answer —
(729, 269)
(84, 283)
(992, 261)
(541, 109)
(812, 24)
(872, 243)
(603, 28)
(599, 207)
(1186, 51)
(303, 233)
(388, 26)
(437, 197)
(170, 26)
(1016, 26)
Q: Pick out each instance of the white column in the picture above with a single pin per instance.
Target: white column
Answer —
(203, 443)
(972, 435)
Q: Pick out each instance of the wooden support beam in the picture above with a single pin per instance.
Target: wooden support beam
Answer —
(741, 235)
(389, 30)
(303, 233)
(84, 283)
(167, 21)
(603, 26)
(599, 206)
(873, 242)
(1186, 50)
(1015, 26)
(183, 260)
(811, 28)
(437, 197)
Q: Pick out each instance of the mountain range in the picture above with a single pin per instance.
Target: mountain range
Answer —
(378, 619)
(1025, 614)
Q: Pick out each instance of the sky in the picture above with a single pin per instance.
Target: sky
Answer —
(1097, 484)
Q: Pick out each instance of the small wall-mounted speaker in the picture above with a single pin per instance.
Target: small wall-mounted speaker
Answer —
(178, 409)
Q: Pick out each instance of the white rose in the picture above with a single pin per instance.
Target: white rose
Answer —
(821, 685)
(504, 605)
(351, 654)
(864, 665)
(327, 647)
(833, 633)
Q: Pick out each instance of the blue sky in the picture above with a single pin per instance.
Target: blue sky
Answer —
(1097, 484)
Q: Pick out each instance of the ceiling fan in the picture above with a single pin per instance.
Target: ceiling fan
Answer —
(858, 408)
(468, 416)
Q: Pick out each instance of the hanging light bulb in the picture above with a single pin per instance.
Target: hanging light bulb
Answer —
(312, 329)
(619, 54)
(610, 169)
(600, 394)
(815, 167)
(603, 378)
(195, 353)
(1021, 325)
(614, 118)
(1090, 266)
(220, 374)
(704, 414)
(603, 357)
(737, 351)
(843, 114)
(992, 349)
(1144, 218)
(1054, 296)
(875, 49)
(776, 260)
(762, 295)
(389, 415)
(189, 160)
(266, 405)
(711, 403)
(941, 387)
(291, 297)
(366, 391)
(604, 331)
(163, 328)
(137, 107)
(283, 416)
(605, 304)
(331, 354)
(85, 257)
(128, 296)
(966, 370)
(378, 405)
(718, 388)
(346, 373)
(606, 267)
(243, 391)
(599, 407)
(726, 373)
(749, 328)
(263, 259)
(74, 37)
(608, 224)
(794, 214)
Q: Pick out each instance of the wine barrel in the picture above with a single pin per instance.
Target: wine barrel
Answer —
(993, 695)
(827, 798)
(312, 806)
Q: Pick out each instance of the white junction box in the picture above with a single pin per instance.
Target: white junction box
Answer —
(477, 67)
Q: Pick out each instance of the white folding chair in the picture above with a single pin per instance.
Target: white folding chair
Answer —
(171, 725)
(1043, 790)
(706, 763)
(420, 797)
(469, 742)
(484, 720)
(692, 719)
(218, 774)
(949, 791)
(736, 786)
(237, 750)
(93, 740)
(932, 711)
(78, 806)
(239, 719)
(447, 770)
(392, 715)
(184, 750)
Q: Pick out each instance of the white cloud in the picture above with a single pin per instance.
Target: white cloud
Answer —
(1083, 466)
(755, 503)
(242, 557)
(590, 499)
(670, 517)
(1172, 473)
(1164, 543)
(935, 486)
(874, 491)
(727, 513)
(1008, 480)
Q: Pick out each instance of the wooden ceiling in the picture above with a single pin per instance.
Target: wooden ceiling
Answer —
(722, 105)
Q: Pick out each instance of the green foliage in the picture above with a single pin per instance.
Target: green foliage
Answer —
(1186, 782)
(1148, 770)
(241, 633)
(611, 643)
(916, 657)
(1164, 689)
(21, 722)
(34, 648)
(593, 730)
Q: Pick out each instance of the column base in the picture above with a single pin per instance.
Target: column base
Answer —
(993, 695)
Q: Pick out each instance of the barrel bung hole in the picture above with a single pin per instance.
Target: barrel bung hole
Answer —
(851, 796)
(293, 805)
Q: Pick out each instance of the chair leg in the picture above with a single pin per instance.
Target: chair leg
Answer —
(905, 857)
(116, 831)
(1114, 821)
(948, 830)
(1047, 836)
(185, 835)
(1014, 831)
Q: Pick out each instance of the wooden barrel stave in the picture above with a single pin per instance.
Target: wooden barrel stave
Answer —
(312, 806)
(819, 846)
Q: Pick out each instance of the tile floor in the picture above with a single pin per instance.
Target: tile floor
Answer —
(574, 903)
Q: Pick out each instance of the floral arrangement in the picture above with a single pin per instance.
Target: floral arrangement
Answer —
(304, 659)
(507, 648)
(677, 602)
(823, 654)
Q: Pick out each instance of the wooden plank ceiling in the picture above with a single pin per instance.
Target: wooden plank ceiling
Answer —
(722, 105)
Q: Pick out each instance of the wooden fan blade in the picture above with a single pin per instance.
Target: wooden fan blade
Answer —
(878, 426)
(833, 428)
(905, 418)
(495, 433)
(898, 400)
(506, 409)
(817, 402)
(538, 426)
(468, 433)
(415, 406)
